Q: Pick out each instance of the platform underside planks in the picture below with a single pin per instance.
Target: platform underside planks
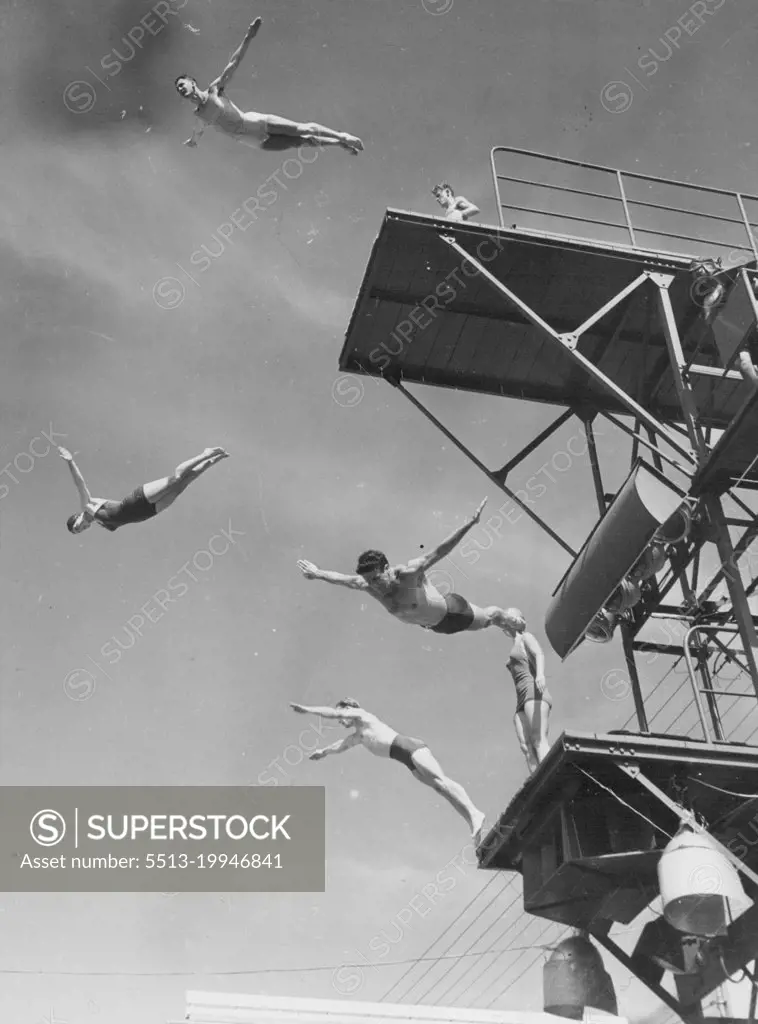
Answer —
(419, 317)
(697, 765)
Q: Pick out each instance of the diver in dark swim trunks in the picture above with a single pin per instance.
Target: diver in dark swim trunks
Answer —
(533, 701)
(406, 592)
(380, 739)
(144, 502)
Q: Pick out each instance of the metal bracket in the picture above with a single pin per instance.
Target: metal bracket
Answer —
(662, 280)
(569, 340)
(686, 817)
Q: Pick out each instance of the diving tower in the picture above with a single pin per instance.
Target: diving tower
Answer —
(628, 298)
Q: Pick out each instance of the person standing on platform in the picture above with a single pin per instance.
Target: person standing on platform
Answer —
(406, 592)
(456, 207)
(533, 701)
(748, 357)
(383, 741)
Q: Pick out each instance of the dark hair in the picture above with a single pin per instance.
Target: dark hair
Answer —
(178, 79)
(371, 561)
(70, 522)
(347, 702)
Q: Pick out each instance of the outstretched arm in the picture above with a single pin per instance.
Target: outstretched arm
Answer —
(234, 61)
(467, 209)
(347, 713)
(312, 572)
(84, 495)
(336, 748)
(533, 647)
(427, 561)
(197, 132)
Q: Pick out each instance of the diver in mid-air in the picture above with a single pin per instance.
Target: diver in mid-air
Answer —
(144, 502)
(380, 739)
(264, 131)
(406, 592)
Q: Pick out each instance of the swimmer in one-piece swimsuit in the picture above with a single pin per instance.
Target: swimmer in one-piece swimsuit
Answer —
(523, 670)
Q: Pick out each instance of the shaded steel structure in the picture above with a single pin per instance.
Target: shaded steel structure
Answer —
(587, 830)
(640, 320)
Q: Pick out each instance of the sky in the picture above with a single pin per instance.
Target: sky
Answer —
(102, 212)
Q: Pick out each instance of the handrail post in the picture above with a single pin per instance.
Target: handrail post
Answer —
(748, 228)
(624, 203)
(497, 186)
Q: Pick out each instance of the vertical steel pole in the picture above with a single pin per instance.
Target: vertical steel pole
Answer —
(634, 679)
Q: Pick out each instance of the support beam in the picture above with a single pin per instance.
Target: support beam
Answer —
(644, 647)
(631, 664)
(715, 371)
(740, 607)
(634, 408)
(611, 304)
(677, 360)
(656, 453)
(595, 464)
(638, 440)
(739, 947)
(477, 462)
(501, 474)
(751, 532)
(687, 1014)
(690, 820)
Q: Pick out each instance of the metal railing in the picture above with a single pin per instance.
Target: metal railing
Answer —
(710, 692)
(579, 202)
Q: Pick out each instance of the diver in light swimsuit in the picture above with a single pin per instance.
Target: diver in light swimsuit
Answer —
(406, 592)
(533, 701)
(264, 131)
(380, 739)
(144, 502)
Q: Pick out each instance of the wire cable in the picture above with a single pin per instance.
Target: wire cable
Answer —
(441, 936)
(509, 925)
(223, 974)
(426, 992)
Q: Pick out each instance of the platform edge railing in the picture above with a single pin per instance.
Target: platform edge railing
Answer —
(619, 176)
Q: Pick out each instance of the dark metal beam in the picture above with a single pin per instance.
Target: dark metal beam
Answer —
(626, 961)
(739, 947)
(477, 462)
(639, 704)
(638, 439)
(570, 349)
(501, 474)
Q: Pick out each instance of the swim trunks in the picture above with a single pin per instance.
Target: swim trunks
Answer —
(133, 509)
(403, 747)
(520, 667)
(458, 617)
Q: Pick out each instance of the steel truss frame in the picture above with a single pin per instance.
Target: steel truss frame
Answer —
(735, 950)
(700, 622)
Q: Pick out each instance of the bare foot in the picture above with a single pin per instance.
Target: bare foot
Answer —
(478, 828)
(498, 619)
(352, 143)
